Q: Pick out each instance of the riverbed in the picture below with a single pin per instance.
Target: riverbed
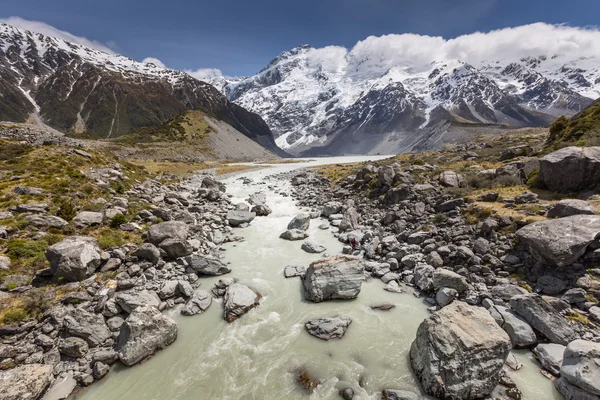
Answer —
(259, 355)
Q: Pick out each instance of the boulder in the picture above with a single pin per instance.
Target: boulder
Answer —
(85, 325)
(237, 217)
(569, 207)
(46, 221)
(507, 291)
(292, 271)
(29, 190)
(25, 382)
(144, 332)
(571, 169)
(300, 221)
(75, 258)
(451, 179)
(328, 328)
(550, 355)
(331, 208)
(261, 210)
(519, 331)
(148, 252)
(131, 300)
(459, 352)
(424, 276)
(560, 242)
(73, 347)
(198, 303)
(257, 198)
(543, 317)
(449, 279)
(83, 219)
(294, 234)
(5, 263)
(239, 299)
(312, 247)
(176, 248)
(445, 296)
(550, 285)
(575, 295)
(581, 365)
(334, 278)
(167, 230)
(350, 220)
(61, 388)
(395, 394)
(572, 392)
(207, 265)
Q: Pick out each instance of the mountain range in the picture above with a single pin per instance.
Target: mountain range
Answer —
(331, 101)
(75, 89)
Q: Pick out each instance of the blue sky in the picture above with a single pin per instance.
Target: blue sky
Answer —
(240, 36)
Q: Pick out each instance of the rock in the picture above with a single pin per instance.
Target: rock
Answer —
(572, 392)
(100, 370)
(488, 197)
(459, 352)
(75, 258)
(85, 325)
(300, 221)
(569, 207)
(550, 355)
(261, 210)
(257, 198)
(131, 300)
(83, 219)
(507, 291)
(331, 208)
(61, 388)
(571, 169)
(424, 277)
(239, 299)
(167, 230)
(328, 328)
(346, 394)
(334, 278)
(446, 278)
(550, 285)
(383, 306)
(148, 252)
(46, 221)
(25, 382)
(176, 248)
(350, 220)
(144, 332)
(28, 190)
(481, 246)
(581, 365)
(394, 394)
(236, 217)
(393, 287)
(292, 271)
(445, 296)
(519, 331)
(198, 303)
(451, 179)
(575, 295)
(294, 234)
(543, 317)
(207, 266)
(560, 242)
(312, 247)
(73, 347)
(450, 205)
(526, 197)
(32, 208)
(106, 356)
(595, 313)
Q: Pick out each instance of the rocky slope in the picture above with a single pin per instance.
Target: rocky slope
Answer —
(335, 101)
(582, 129)
(75, 89)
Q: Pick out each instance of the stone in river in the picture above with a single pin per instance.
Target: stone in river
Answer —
(328, 328)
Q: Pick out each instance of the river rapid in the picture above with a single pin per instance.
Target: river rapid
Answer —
(258, 355)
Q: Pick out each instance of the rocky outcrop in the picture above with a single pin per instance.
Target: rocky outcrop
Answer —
(328, 328)
(543, 317)
(239, 299)
(144, 332)
(459, 352)
(75, 258)
(581, 365)
(562, 241)
(334, 278)
(571, 169)
(26, 382)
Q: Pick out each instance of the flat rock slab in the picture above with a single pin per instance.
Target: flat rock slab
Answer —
(25, 382)
(292, 271)
(581, 365)
(550, 355)
(312, 247)
(328, 328)
(560, 242)
(239, 299)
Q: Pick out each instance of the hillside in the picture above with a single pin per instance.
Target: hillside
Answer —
(79, 90)
(581, 130)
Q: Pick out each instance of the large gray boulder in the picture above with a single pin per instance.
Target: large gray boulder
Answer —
(300, 221)
(572, 392)
(257, 198)
(237, 217)
(148, 252)
(167, 230)
(581, 365)
(331, 208)
(459, 352)
(176, 248)
(350, 220)
(312, 247)
(328, 328)
(144, 332)
(569, 207)
(131, 300)
(239, 299)
(571, 169)
(207, 265)
(543, 317)
(450, 279)
(424, 276)
(560, 242)
(73, 347)
(88, 218)
(46, 221)
(397, 394)
(75, 258)
(550, 355)
(451, 179)
(85, 325)
(334, 278)
(25, 382)
(294, 234)
(198, 303)
(520, 332)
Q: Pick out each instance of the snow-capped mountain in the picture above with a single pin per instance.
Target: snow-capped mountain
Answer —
(334, 101)
(76, 89)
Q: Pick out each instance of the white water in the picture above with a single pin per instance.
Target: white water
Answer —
(256, 356)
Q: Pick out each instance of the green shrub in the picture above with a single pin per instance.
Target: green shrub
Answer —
(118, 187)
(117, 221)
(10, 285)
(19, 249)
(13, 316)
(109, 238)
(67, 209)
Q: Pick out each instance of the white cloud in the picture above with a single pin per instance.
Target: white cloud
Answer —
(155, 61)
(508, 44)
(49, 30)
(204, 73)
